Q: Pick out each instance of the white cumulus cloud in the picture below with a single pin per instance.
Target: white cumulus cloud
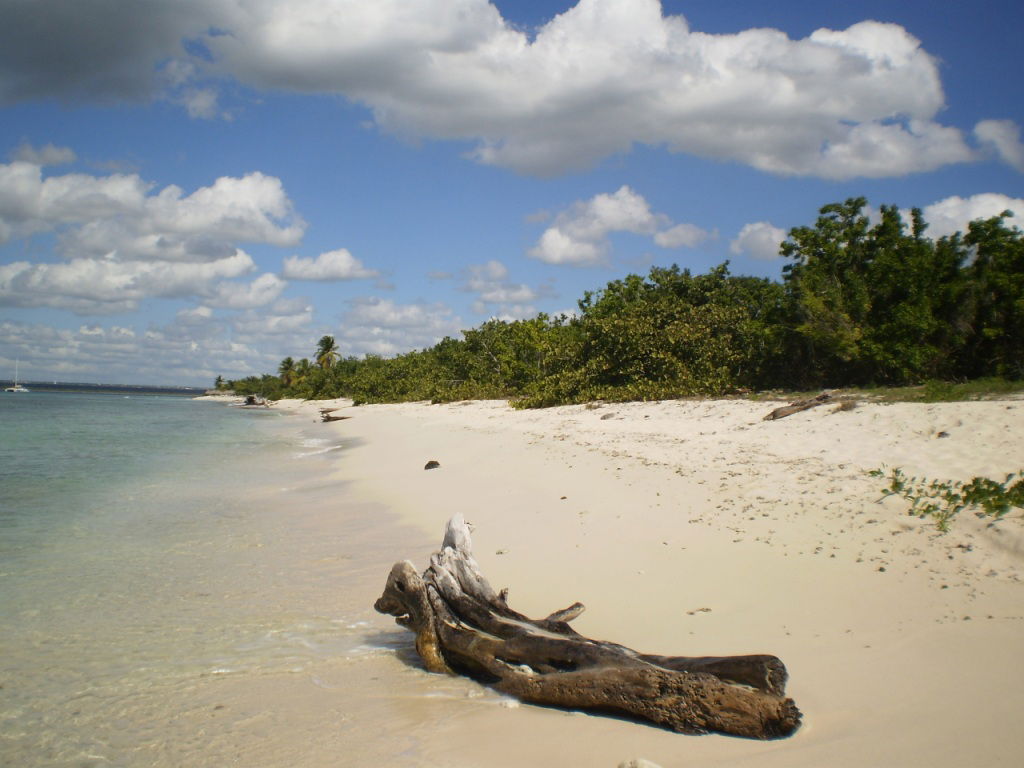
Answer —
(594, 81)
(385, 327)
(258, 293)
(104, 286)
(759, 239)
(496, 294)
(953, 214)
(194, 315)
(118, 214)
(120, 240)
(824, 105)
(330, 266)
(1004, 137)
(579, 235)
(681, 236)
(286, 324)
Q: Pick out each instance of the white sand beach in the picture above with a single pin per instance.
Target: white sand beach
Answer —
(696, 527)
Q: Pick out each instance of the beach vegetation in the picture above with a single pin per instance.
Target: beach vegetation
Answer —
(943, 500)
(286, 372)
(866, 300)
(265, 386)
(937, 391)
(326, 352)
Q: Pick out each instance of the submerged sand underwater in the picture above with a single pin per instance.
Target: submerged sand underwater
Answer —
(215, 609)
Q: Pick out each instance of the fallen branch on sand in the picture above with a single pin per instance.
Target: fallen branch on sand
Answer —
(799, 405)
(326, 415)
(463, 626)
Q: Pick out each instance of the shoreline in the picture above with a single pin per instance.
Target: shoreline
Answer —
(182, 587)
(695, 527)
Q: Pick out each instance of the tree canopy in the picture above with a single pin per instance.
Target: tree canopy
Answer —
(862, 300)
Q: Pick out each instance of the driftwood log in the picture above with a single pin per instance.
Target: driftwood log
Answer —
(799, 405)
(463, 626)
(326, 415)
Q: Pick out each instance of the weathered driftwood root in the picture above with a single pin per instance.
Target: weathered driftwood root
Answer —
(463, 626)
(799, 405)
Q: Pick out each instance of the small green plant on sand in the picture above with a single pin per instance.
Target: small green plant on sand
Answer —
(942, 500)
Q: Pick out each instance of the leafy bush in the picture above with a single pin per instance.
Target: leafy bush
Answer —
(944, 500)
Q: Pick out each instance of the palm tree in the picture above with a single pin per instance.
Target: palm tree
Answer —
(326, 352)
(286, 370)
(219, 383)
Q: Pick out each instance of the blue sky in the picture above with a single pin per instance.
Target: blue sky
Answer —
(192, 189)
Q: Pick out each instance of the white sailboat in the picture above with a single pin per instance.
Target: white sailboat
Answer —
(16, 387)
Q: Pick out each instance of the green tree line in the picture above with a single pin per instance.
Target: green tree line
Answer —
(858, 304)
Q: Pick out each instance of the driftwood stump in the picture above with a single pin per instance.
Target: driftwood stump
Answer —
(462, 626)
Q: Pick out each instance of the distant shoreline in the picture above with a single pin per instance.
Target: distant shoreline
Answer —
(110, 389)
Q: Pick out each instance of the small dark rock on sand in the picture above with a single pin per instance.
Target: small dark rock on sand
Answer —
(432, 464)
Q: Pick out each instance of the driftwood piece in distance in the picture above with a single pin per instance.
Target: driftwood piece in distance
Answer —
(325, 415)
(462, 626)
(799, 405)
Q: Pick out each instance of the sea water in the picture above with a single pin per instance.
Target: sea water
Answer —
(181, 583)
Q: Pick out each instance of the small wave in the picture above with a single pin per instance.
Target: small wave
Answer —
(321, 683)
(367, 649)
(319, 452)
(316, 446)
(479, 695)
(351, 625)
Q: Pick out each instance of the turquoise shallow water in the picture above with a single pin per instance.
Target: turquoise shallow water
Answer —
(63, 456)
(188, 584)
(168, 568)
